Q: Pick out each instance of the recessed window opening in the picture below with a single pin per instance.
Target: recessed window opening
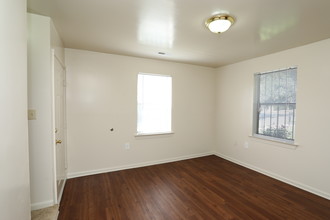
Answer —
(154, 104)
(275, 104)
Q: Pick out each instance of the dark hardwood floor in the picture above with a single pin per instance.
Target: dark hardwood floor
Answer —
(202, 188)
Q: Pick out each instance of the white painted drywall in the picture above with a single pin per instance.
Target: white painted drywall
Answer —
(56, 43)
(40, 99)
(42, 38)
(101, 94)
(14, 163)
(307, 166)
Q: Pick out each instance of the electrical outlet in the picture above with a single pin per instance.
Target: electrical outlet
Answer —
(127, 146)
(246, 144)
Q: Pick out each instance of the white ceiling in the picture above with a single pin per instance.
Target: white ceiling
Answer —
(142, 28)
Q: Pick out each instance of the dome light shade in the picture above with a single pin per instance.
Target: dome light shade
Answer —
(219, 23)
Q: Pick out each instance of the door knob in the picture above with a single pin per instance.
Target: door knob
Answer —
(58, 142)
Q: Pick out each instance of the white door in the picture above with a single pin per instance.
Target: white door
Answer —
(60, 127)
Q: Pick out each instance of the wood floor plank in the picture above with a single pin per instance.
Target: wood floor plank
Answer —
(202, 188)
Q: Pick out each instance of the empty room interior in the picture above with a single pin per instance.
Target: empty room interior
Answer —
(165, 109)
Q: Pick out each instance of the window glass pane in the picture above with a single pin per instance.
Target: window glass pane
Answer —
(154, 103)
(262, 89)
(282, 116)
(291, 89)
(275, 87)
(261, 122)
(291, 120)
(282, 90)
(274, 120)
(268, 88)
(265, 122)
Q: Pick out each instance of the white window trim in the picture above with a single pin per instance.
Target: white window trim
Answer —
(276, 141)
(153, 134)
(281, 142)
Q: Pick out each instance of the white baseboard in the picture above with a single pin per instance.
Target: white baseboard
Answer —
(42, 205)
(46, 204)
(278, 177)
(137, 165)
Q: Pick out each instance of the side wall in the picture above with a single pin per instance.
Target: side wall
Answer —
(40, 99)
(14, 156)
(42, 38)
(307, 166)
(101, 94)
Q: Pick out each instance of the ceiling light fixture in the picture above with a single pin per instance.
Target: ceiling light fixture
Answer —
(219, 23)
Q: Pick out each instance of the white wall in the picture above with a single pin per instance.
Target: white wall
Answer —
(56, 43)
(101, 94)
(14, 164)
(42, 38)
(308, 166)
(40, 99)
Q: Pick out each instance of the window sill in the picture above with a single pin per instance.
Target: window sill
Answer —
(274, 141)
(153, 134)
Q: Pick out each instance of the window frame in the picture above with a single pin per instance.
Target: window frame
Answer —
(256, 104)
(137, 107)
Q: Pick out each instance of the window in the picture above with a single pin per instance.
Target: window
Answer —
(275, 104)
(154, 96)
